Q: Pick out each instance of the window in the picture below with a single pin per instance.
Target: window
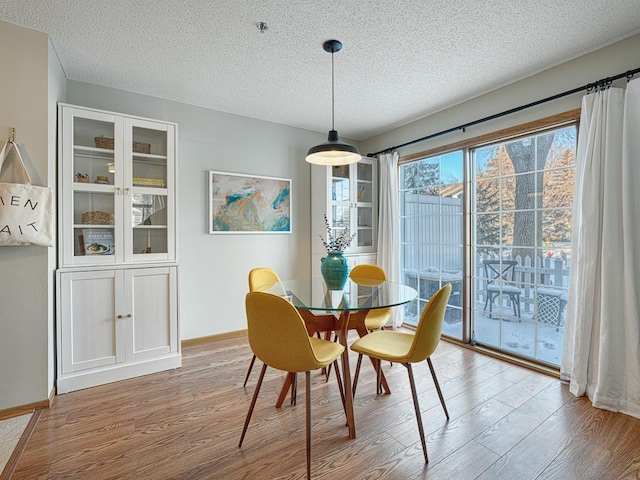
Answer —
(518, 240)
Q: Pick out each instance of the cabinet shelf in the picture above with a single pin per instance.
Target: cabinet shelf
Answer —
(92, 225)
(150, 190)
(92, 151)
(93, 187)
(149, 227)
(149, 158)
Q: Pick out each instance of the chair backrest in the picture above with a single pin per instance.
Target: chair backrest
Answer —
(429, 327)
(500, 270)
(367, 272)
(261, 276)
(277, 333)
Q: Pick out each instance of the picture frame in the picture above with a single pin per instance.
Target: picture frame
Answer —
(241, 203)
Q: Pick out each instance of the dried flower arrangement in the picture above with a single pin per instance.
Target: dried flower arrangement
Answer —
(340, 242)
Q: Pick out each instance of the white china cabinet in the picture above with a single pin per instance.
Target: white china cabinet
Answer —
(117, 313)
(348, 195)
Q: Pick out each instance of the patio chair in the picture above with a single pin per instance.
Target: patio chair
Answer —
(501, 276)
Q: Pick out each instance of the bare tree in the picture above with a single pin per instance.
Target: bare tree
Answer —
(528, 155)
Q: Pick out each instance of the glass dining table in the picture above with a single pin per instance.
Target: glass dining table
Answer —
(325, 311)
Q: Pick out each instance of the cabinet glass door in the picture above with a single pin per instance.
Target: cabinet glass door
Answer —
(149, 181)
(341, 195)
(364, 205)
(91, 203)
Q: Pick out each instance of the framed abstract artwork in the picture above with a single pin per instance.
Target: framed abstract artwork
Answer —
(248, 203)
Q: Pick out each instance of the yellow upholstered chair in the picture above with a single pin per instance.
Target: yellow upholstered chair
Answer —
(259, 277)
(408, 348)
(363, 274)
(279, 338)
(376, 319)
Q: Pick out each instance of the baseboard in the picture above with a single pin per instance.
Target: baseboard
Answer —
(213, 338)
(117, 372)
(24, 409)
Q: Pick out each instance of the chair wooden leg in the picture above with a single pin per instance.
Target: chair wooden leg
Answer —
(417, 408)
(253, 404)
(378, 376)
(294, 389)
(253, 360)
(308, 401)
(357, 374)
(435, 380)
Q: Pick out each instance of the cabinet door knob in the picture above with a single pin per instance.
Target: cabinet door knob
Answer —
(117, 190)
(119, 316)
(128, 315)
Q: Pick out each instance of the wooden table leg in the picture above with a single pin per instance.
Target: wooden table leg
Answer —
(288, 383)
(362, 331)
(342, 335)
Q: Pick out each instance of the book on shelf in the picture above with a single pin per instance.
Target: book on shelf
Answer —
(148, 182)
(97, 241)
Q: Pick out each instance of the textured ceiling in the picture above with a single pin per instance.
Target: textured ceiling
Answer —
(401, 60)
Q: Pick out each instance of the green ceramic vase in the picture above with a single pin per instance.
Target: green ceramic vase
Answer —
(335, 270)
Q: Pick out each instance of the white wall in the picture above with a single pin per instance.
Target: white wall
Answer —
(26, 273)
(609, 61)
(214, 268)
(57, 88)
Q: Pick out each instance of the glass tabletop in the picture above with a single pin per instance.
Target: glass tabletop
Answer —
(312, 294)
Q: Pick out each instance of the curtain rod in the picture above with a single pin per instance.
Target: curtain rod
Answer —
(600, 84)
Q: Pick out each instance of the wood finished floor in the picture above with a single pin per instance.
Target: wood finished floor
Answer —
(506, 423)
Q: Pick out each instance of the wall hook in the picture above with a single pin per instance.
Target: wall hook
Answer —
(12, 134)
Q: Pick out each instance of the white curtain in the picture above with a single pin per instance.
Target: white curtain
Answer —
(601, 356)
(389, 224)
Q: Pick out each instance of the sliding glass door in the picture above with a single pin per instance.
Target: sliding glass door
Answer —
(521, 217)
(431, 210)
(516, 247)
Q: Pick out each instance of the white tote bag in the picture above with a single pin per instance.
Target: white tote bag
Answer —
(26, 216)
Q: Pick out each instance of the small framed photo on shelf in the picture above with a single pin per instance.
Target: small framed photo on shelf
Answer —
(248, 204)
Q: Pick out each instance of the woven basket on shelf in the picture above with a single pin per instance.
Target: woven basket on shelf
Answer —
(139, 147)
(97, 218)
(107, 143)
(104, 142)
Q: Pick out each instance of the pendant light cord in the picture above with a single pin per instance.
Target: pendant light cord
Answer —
(333, 107)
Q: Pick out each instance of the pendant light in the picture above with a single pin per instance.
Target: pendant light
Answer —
(333, 151)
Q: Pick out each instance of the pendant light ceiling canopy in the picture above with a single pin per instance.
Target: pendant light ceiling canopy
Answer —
(333, 151)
